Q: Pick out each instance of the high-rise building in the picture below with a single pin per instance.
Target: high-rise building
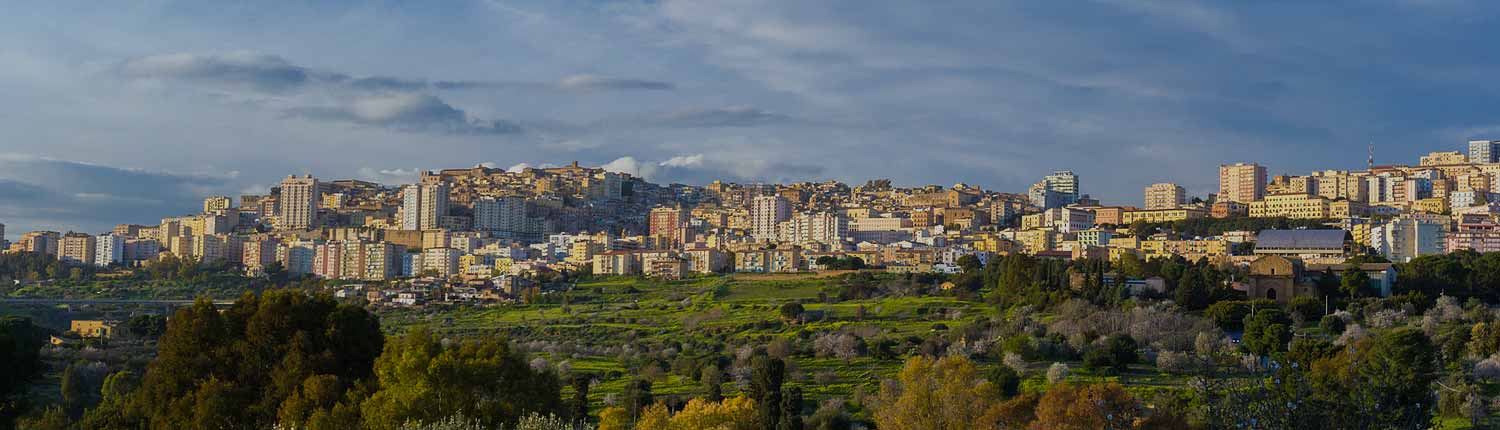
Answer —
(298, 203)
(77, 248)
(1165, 195)
(823, 227)
(109, 249)
(1242, 182)
(1065, 183)
(500, 214)
(668, 224)
(1484, 151)
(3, 243)
(216, 203)
(41, 242)
(424, 205)
(765, 213)
(1405, 238)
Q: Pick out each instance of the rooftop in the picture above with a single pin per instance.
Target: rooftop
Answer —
(1300, 239)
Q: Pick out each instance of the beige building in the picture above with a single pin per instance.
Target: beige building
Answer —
(1296, 206)
(1444, 158)
(1162, 215)
(216, 203)
(1165, 196)
(1242, 182)
(299, 203)
(76, 248)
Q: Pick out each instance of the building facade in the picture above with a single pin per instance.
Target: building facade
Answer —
(1242, 182)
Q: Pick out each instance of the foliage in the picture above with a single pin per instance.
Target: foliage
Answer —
(1267, 331)
(737, 413)
(1115, 355)
(941, 394)
(1086, 406)
(423, 380)
(243, 367)
(20, 344)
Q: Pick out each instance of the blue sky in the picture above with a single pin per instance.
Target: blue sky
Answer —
(127, 113)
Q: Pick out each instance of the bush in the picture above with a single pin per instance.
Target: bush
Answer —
(1488, 369)
(1310, 308)
(1228, 315)
(1006, 379)
(1057, 373)
(1332, 325)
(1117, 353)
(1175, 362)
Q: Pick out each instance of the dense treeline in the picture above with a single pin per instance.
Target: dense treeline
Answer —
(306, 362)
(32, 266)
(20, 365)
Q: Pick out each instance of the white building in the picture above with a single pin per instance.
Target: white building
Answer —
(423, 206)
(500, 214)
(765, 213)
(822, 227)
(109, 249)
(1404, 238)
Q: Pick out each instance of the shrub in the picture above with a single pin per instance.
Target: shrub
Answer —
(1332, 324)
(1175, 362)
(1488, 369)
(1057, 373)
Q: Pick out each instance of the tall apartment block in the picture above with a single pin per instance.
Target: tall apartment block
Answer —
(1165, 196)
(1242, 182)
(298, 202)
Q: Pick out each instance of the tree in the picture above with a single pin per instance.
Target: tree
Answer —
(78, 393)
(1267, 331)
(791, 311)
(766, 377)
(422, 380)
(941, 394)
(1396, 372)
(1086, 407)
(713, 383)
(1355, 283)
(239, 366)
(791, 409)
(1228, 315)
(20, 351)
(147, 326)
(635, 398)
(969, 263)
(580, 406)
(1193, 291)
(1116, 355)
(736, 413)
(53, 418)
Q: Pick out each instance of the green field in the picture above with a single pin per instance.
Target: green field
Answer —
(716, 316)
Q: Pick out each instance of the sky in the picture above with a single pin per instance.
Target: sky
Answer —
(122, 112)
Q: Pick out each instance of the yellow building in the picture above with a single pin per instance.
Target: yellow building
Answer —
(1189, 249)
(1032, 221)
(1434, 205)
(1037, 239)
(92, 328)
(1347, 208)
(1443, 158)
(1295, 206)
(1162, 215)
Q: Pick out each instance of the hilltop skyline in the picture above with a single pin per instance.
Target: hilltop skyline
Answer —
(125, 113)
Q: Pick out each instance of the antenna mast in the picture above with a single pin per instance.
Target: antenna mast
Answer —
(1371, 165)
